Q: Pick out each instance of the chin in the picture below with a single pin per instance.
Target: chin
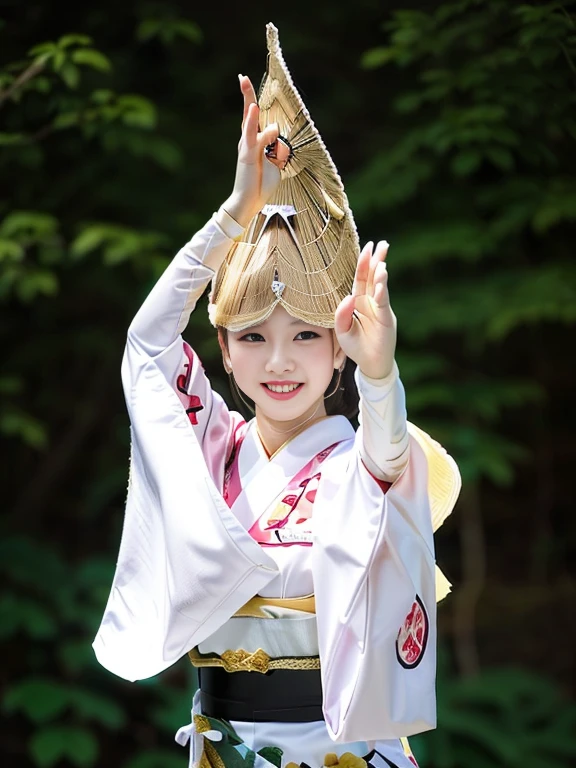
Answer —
(287, 411)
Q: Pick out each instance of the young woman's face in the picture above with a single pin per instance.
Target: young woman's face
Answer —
(284, 353)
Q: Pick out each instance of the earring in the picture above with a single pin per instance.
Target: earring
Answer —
(234, 385)
(340, 370)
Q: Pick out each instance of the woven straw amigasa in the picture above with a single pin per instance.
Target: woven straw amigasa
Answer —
(304, 241)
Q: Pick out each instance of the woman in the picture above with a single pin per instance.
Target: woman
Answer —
(292, 558)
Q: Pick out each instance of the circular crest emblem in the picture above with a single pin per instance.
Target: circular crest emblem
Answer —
(413, 636)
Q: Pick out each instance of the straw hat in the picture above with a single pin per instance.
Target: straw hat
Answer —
(301, 250)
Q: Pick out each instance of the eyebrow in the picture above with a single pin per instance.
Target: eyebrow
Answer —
(296, 321)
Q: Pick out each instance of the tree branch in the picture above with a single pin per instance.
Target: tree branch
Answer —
(33, 70)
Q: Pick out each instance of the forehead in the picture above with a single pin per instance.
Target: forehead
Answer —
(280, 318)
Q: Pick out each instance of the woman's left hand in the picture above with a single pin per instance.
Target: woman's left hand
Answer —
(365, 325)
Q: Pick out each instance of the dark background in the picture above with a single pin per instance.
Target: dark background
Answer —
(453, 127)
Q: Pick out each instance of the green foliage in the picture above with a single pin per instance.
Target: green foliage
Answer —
(505, 717)
(49, 745)
(469, 122)
(66, 713)
(116, 143)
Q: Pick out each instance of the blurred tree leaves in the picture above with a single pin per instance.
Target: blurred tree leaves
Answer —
(481, 73)
(117, 139)
(506, 717)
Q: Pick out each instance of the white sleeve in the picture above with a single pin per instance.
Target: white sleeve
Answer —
(165, 313)
(155, 335)
(384, 441)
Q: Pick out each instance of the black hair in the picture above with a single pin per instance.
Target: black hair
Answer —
(344, 401)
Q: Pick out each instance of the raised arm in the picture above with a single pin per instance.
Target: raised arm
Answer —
(366, 331)
(165, 313)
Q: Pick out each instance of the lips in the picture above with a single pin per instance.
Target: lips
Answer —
(293, 388)
(282, 386)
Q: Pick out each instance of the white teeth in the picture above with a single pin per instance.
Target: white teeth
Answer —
(283, 388)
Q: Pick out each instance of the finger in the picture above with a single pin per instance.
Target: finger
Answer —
(378, 256)
(268, 136)
(381, 297)
(249, 94)
(250, 130)
(344, 316)
(362, 267)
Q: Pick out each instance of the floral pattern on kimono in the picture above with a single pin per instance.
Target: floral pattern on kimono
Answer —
(223, 748)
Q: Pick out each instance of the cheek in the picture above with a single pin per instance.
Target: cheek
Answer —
(243, 361)
(322, 357)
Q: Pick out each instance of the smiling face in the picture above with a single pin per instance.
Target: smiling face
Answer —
(284, 365)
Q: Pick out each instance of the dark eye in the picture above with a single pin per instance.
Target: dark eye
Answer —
(252, 337)
(307, 335)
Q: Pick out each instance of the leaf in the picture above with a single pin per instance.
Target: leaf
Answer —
(75, 39)
(17, 423)
(137, 111)
(66, 120)
(101, 709)
(40, 84)
(189, 30)
(102, 96)
(466, 162)
(147, 29)
(377, 57)
(272, 755)
(25, 617)
(11, 139)
(36, 282)
(501, 157)
(34, 224)
(10, 250)
(92, 58)
(59, 59)
(408, 102)
(42, 49)
(91, 238)
(76, 656)
(50, 745)
(70, 74)
(41, 700)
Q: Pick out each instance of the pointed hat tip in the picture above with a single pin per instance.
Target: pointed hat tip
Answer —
(271, 34)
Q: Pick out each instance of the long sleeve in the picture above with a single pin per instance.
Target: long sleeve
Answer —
(155, 334)
(165, 313)
(383, 440)
(186, 564)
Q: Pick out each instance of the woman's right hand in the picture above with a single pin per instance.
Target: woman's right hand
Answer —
(257, 176)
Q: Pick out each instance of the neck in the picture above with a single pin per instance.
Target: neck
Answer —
(273, 433)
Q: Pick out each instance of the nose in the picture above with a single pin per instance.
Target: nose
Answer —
(279, 361)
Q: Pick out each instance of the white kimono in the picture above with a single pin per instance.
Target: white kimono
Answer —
(188, 561)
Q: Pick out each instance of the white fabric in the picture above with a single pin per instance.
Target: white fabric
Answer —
(187, 564)
(384, 442)
(284, 633)
(300, 742)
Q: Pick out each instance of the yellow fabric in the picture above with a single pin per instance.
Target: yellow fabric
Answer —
(406, 747)
(444, 485)
(244, 661)
(255, 606)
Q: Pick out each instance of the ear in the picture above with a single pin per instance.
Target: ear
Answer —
(339, 354)
(225, 354)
